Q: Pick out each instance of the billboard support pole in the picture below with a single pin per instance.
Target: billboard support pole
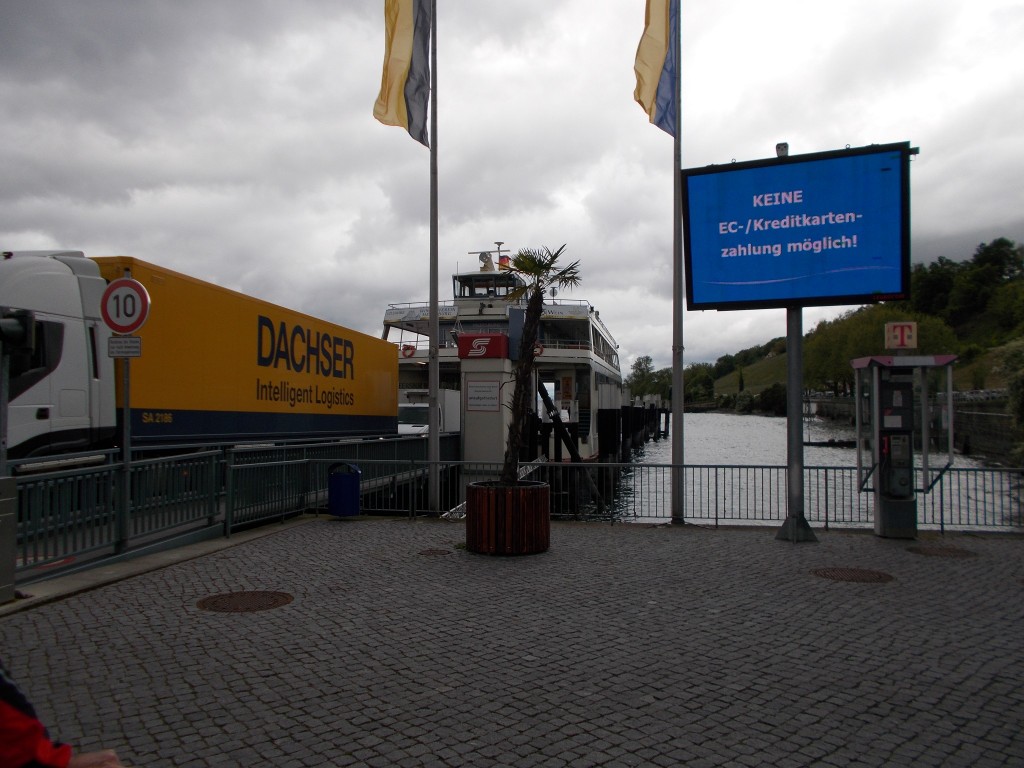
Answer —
(795, 528)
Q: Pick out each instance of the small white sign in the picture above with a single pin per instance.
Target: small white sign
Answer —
(483, 395)
(124, 346)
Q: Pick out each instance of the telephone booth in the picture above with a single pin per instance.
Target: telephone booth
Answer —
(887, 388)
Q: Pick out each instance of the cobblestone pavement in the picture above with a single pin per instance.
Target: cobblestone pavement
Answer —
(622, 646)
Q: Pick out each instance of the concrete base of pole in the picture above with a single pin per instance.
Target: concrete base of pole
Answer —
(795, 529)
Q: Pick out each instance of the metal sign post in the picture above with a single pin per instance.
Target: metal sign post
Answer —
(795, 528)
(126, 455)
(125, 308)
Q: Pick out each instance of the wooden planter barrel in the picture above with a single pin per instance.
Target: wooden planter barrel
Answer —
(508, 520)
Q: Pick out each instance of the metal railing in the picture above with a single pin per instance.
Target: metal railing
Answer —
(73, 515)
(961, 498)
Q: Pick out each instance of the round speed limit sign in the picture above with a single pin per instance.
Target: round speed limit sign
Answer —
(125, 305)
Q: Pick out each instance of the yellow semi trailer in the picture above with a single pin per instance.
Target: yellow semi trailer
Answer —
(215, 364)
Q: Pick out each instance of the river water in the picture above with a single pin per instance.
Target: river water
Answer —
(727, 458)
(729, 438)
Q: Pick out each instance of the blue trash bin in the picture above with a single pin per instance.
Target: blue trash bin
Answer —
(343, 490)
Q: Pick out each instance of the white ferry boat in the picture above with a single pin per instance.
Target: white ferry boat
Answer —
(578, 362)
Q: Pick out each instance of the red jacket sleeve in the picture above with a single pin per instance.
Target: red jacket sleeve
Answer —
(24, 742)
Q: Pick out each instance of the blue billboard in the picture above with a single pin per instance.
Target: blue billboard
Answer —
(817, 229)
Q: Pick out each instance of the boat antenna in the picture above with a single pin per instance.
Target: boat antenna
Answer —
(486, 258)
(498, 251)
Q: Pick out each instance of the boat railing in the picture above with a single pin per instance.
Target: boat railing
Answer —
(549, 306)
(565, 344)
(418, 304)
(422, 344)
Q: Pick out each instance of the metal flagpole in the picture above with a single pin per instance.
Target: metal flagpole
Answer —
(678, 478)
(433, 363)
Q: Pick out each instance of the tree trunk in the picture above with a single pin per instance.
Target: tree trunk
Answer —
(523, 391)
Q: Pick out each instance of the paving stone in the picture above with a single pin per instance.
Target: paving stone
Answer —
(622, 645)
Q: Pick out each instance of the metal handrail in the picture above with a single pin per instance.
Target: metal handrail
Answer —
(76, 513)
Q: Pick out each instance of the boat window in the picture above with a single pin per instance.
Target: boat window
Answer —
(483, 286)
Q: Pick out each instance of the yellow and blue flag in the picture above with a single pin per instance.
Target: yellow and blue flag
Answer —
(657, 64)
(405, 84)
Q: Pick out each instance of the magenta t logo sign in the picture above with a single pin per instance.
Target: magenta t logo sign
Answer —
(901, 335)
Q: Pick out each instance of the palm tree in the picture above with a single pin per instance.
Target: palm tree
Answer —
(539, 270)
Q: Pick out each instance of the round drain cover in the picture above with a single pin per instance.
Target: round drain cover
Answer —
(853, 574)
(940, 551)
(244, 602)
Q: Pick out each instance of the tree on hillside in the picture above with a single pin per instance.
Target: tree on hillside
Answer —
(661, 383)
(1006, 309)
(641, 376)
(963, 293)
(931, 285)
(699, 382)
(1012, 365)
(724, 365)
(644, 380)
(1002, 257)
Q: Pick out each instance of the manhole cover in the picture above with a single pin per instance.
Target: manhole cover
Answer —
(244, 602)
(944, 551)
(434, 552)
(853, 574)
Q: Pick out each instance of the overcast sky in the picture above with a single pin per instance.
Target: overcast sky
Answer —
(234, 140)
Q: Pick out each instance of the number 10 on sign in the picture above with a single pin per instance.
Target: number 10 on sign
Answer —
(125, 305)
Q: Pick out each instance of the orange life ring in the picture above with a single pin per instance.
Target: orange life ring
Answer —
(538, 349)
(408, 350)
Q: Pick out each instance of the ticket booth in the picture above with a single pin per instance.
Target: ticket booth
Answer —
(888, 429)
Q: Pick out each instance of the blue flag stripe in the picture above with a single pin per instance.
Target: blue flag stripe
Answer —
(417, 84)
(665, 111)
(657, 64)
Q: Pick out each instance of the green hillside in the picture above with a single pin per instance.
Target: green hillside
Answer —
(757, 376)
(984, 371)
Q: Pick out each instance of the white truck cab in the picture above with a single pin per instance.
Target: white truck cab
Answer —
(56, 401)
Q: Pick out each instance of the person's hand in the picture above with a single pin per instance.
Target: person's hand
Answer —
(105, 759)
